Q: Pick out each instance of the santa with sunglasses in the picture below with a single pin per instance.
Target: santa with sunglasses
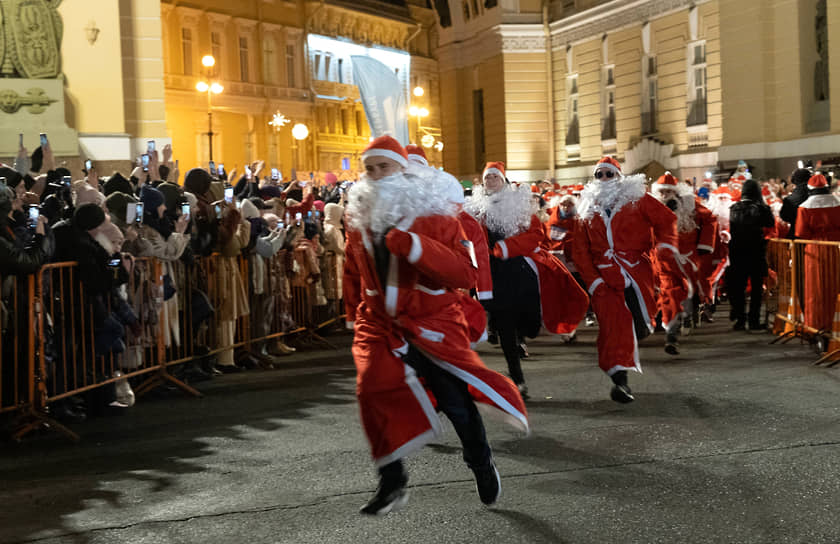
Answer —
(620, 224)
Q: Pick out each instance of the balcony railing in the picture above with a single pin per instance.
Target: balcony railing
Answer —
(696, 112)
(238, 88)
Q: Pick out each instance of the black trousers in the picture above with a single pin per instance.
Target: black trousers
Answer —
(737, 274)
(508, 331)
(454, 400)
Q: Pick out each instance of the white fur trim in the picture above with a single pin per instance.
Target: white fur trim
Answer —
(820, 201)
(433, 292)
(419, 159)
(507, 211)
(416, 249)
(503, 245)
(387, 153)
(485, 295)
(705, 247)
(595, 285)
(599, 196)
(492, 171)
(608, 166)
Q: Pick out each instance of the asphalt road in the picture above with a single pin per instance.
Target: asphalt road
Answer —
(733, 441)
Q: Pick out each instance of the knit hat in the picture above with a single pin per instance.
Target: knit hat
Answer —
(388, 147)
(330, 179)
(609, 163)
(197, 181)
(270, 191)
(416, 154)
(248, 210)
(85, 194)
(171, 195)
(12, 177)
(818, 182)
(152, 198)
(117, 183)
(216, 191)
(117, 203)
(88, 216)
(800, 176)
(494, 168)
(333, 213)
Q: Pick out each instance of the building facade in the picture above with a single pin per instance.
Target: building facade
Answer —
(690, 86)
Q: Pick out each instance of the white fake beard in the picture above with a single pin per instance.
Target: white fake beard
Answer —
(720, 208)
(599, 196)
(507, 211)
(685, 215)
(394, 201)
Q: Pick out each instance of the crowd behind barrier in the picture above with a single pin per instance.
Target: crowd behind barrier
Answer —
(805, 300)
(60, 353)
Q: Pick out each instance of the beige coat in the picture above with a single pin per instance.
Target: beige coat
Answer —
(333, 243)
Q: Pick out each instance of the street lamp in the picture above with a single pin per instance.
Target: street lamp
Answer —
(211, 88)
(299, 132)
(419, 113)
(419, 91)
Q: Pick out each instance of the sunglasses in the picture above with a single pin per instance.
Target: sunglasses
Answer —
(604, 174)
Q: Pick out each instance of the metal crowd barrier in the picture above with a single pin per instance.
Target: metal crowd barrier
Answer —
(808, 294)
(49, 343)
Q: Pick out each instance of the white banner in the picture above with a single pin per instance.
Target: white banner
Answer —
(383, 98)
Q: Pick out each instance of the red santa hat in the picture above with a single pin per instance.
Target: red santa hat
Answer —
(817, 181)
(535, 188)
(494, 168)
(610, 163)
(667, 179)
(388, 147)
(765, 191)
(416, 154)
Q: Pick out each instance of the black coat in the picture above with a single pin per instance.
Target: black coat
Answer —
(18, 259)
(516, 291)
(747, 221)
(790, 207)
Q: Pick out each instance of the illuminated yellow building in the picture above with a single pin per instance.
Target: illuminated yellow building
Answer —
(686, 85)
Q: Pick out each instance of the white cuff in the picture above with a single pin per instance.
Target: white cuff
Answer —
(705, 247)
(595, 285)
(351, 325)
(505, 254)
(485, 295)
(416, 249)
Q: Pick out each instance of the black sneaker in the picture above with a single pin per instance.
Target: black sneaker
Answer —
(758, 328)
(390, 497)
(488, 484)
(523, 391)
(622, 394)
(739, 326)
(672, 347)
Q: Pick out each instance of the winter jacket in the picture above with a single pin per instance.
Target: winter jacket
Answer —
(791, 204)
(18, 260)
(747, 221)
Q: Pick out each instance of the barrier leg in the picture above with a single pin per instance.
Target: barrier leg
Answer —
(161, 377)
(32, 420)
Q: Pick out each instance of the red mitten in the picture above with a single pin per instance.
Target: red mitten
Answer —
(398, 242)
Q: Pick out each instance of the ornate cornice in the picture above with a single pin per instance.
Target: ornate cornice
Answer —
(188, 16)
(522, 38)
(361, 28)
(217, 19)
(612, 16)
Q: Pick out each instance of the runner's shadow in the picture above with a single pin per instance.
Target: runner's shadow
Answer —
(534, 530)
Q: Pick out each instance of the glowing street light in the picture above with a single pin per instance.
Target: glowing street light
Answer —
(300, 131)
(210, 88)
(427, 141)
(216, 88)
(208, 61)
(202, 86)
(419, 91)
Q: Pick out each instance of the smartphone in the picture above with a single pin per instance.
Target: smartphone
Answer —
(220, 170)
(247, 172)
(34, 213)
(114, 262)
(317, 215)
(185, 209)
(44, 139)
(130, 213)
(139, 211)
(212, 166)
(150, 146)
(309, 215)
(298, 217)
(67, 181)
(228, 194)
(144, 160)
(88, 165)
(280, 225)
(275, 175)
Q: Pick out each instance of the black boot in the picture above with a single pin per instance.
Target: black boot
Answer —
(621, 391)
(391, 495)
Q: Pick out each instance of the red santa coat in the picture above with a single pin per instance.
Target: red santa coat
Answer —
(420, 305)
(560, 236)
(473, 310)
(691, 243)
(563, 303)
(611, 253)
(818, 218)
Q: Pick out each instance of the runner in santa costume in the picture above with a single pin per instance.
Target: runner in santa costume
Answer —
(483, 290)
(407, 256)
(696, 228)
(530, 286)
(620, 224)
(818, 218)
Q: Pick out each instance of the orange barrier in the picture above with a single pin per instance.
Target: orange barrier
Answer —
(61, 345)
(808, 274)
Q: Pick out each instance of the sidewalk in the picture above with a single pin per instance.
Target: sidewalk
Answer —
(733, 441)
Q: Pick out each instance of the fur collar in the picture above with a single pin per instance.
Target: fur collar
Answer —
(599, 196)
(395, 201)
(507, 211)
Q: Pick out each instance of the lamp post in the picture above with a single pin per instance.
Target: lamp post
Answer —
(299, 132)
(211, 88)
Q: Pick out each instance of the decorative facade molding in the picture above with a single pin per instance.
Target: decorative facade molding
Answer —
(248, 25)
(522, 38)
(360, 28)
(217, 19)
(612, 16)
(188, 16)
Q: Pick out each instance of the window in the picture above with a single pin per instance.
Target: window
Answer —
(216, 50)
(290, 66)
(186, 50)
(649, 94)
(327, 63)
(243, 59)
(697, 84)
(341, 72)
(608, 105)
(475, 8)
(572, 122)
(316, 66)
(478, 128)
(269, 63)
(466, 5)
